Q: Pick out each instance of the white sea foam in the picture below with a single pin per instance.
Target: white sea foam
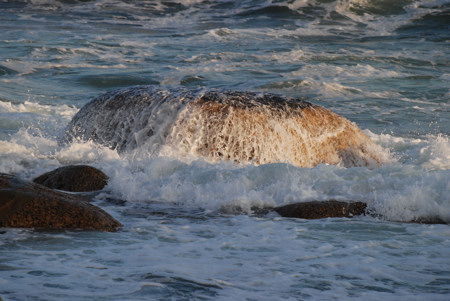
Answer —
(25, 68)
(182, 238)
(404, 191)
(237, 126)
(33, 107)
(35, 116)
(395, 193)
(413, 188)
(430, 152)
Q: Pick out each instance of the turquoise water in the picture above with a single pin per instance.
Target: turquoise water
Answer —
(382, 64)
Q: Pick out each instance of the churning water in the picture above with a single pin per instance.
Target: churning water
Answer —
(189, 232)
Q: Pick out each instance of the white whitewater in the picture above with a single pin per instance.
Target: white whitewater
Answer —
(242, 127)
(189, 229)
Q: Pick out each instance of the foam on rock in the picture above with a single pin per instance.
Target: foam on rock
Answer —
(243, 127)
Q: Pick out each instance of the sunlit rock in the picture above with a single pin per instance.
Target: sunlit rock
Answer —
(243, 127)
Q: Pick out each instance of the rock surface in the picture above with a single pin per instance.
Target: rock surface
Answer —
(322, 209)
(221, 125)
(25, 204)
(76, 178)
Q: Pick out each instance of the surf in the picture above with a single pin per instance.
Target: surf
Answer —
(223, 125)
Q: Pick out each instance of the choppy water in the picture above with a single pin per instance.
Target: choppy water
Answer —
(382, 64)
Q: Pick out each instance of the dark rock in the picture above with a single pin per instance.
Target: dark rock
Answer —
(76, 178)
(322, 209)
(431, 220)
(24, 204)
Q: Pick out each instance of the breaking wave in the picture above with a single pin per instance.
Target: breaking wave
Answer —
(243, 127)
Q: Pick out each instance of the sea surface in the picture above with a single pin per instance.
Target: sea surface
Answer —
(189, 231)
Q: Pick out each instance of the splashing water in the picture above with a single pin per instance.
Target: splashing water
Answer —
(242, 127)
(381, 64)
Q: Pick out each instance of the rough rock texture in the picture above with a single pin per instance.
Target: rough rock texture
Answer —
(236, 126)
(322, 209)
(24, 204)
(76, 178)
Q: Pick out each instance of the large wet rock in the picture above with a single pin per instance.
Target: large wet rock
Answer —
(242, 127)
(322, 209)
(25, 204)
(76, 178)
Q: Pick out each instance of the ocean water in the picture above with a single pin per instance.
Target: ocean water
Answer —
(189, 231)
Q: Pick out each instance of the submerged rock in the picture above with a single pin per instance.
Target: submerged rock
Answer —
(322, 209)
(25, 204)
(243, 127)
(76, 178)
